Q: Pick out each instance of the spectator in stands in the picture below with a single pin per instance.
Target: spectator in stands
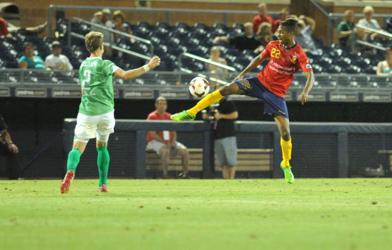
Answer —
(225, 144)
(215, 71)
(306, 26)
(97, 18)
(346, 29)
(265, 33)
(104, 18)
(261, 17)
(165, 143)
(121, 25)
(56, 60)
(369, 22)
(283, 15)
(246, 41)
(8, 151)
(384, 68)
(30, 60)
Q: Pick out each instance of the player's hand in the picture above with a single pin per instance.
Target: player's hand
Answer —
(303, 97)
(154, 62)
(217, 115)
(13, 148)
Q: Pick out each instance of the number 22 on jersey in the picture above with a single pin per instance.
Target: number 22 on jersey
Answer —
(275, 53)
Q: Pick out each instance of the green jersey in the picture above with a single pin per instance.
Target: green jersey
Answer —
(95, 75)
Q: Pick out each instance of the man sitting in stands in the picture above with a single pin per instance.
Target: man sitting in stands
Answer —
(346, 29)
(56, 60)
(165, 143)
(369, 22)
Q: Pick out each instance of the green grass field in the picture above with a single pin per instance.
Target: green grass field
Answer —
(198, 214)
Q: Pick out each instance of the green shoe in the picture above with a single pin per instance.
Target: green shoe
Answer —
(182, 116)
(288, 174)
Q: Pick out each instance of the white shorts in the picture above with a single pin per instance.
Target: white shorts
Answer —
(157, 145)
(97, 126)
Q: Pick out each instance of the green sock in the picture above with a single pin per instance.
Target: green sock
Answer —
(73, 159)
(103, 161)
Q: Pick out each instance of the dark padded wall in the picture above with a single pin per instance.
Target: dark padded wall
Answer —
(315, 155)
(363, 150)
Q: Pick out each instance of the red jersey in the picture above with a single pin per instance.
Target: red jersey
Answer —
(257, 20)
(278, 74)
(156, 116)
(3, 27)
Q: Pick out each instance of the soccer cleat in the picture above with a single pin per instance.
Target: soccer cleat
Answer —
(288, 174)
(103, 188)
(64, 188)
(182, 116)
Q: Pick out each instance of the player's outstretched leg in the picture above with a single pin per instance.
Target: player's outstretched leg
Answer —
(103, 162)
(209, 99)
(286, 145)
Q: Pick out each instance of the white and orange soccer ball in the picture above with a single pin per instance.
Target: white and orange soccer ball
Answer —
(199, 87)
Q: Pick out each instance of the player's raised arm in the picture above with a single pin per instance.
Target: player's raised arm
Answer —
(252, 65)
(256, 61)
(133, 73)
(304, 64)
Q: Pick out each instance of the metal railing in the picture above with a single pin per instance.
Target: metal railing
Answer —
(115, 47)
(371, 45)
(168, 12)
(41, 76)
(207, 61)
(71, 34)
(114, 31)
(378, 31)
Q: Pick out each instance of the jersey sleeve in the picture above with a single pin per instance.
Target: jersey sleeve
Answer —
(303, 62)
(267, 51)
(110, 67)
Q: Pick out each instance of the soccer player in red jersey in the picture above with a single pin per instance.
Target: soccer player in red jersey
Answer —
(271, 84)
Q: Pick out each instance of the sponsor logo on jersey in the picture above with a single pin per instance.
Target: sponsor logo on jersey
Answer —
(294, 59)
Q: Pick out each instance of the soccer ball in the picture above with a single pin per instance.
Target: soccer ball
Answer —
(199, 87)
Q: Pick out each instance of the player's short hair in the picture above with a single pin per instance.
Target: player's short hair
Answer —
(93, 41)
(160, 98)
(290, 24)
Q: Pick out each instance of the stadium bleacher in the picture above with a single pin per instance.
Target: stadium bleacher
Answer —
(170, 41)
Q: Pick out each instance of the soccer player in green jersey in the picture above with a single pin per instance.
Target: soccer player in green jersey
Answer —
(96, 111)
